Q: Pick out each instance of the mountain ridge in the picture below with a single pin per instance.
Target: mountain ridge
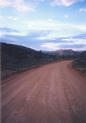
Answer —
(62, 52)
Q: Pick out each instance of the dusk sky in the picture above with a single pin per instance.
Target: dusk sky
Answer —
(44, 24)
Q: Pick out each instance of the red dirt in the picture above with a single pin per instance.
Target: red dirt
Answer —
(53, 93)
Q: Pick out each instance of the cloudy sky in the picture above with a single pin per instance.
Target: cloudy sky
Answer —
(44, 24)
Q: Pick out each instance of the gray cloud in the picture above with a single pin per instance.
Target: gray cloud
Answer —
(32, 40)
(7, 29)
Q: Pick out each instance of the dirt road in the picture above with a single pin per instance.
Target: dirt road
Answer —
(53, 93)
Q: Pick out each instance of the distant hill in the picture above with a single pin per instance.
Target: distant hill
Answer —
(63, 53)
(50, 52)
(66, 52)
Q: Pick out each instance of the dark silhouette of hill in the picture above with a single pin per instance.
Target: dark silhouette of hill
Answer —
(15, 57)
(81, 60)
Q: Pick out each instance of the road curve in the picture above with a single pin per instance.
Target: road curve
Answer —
(53, 93)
